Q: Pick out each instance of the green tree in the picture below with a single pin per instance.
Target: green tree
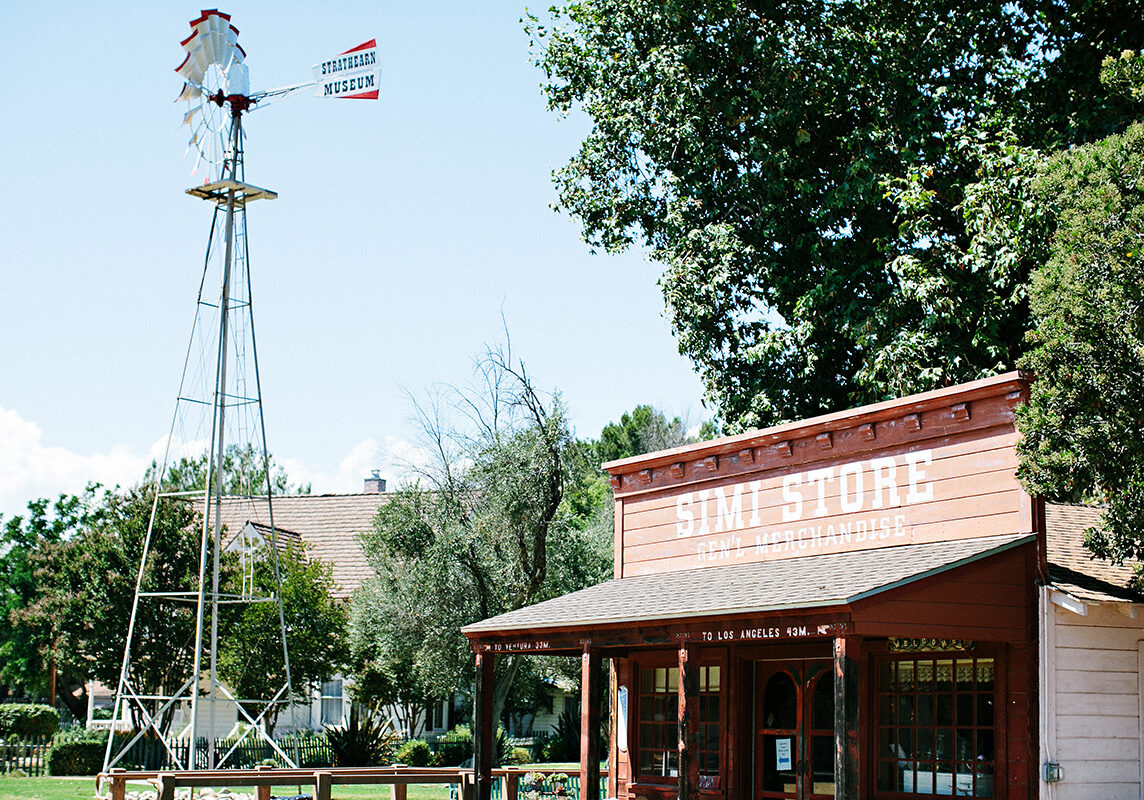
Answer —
(26, 657)
(86, 585)
(1081, 428)
(250, 657)
(243, 468)
(643, 430)
(486, 529)
(69, 584)
(817, 178)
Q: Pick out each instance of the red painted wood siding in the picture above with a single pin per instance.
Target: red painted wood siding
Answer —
(964, 487)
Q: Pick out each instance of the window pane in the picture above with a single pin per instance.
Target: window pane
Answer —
(779, 703)
(925, 709)
(945, 709)
(905, 709)
(886, 676)
(822, 703)
(965, 708)
(924, 748)
(984, 709)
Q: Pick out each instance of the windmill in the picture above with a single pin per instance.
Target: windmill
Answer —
(219, 405)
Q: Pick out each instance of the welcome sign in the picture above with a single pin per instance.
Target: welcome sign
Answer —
(939, 475)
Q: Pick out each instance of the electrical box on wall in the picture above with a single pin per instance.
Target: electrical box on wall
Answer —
(1051, 772)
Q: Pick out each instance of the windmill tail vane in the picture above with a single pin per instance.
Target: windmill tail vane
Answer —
(350, 75)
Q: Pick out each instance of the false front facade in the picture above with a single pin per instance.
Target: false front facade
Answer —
(847, 606)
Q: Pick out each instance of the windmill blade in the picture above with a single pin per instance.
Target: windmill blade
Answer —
(213, 41)
(190, 92)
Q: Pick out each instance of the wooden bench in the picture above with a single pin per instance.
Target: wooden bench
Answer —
(322, 779)
(263, 779)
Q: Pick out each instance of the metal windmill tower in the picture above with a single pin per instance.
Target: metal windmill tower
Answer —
(218, 407)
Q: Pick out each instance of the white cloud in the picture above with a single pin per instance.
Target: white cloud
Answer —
(395, 459)
(29, 469)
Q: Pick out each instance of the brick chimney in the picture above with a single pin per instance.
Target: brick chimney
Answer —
(374, 484)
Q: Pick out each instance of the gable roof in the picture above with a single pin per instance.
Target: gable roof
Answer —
(282, 537)
(329, 523)
(1072, 568)
(796, 583)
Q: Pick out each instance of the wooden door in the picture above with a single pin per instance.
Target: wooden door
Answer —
(794, 729)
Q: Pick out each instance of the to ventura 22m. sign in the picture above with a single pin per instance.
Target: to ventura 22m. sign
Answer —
(952, 488)
(353, 74)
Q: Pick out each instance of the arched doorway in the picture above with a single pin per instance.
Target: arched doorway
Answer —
(794, 729)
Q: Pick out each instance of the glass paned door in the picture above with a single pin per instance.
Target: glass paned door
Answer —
(794, 730)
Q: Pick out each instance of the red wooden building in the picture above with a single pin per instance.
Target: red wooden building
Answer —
(845, 606)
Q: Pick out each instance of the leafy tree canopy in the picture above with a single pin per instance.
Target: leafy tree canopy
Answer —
(244, 474)
(643, 430)
(487, 528)
(1081, 427)
(22, 665)
(821, 181)
(250, 655)
(86, 584)
(67, 583)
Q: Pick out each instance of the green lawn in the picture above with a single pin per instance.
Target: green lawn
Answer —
(84, 789)
(46, 789)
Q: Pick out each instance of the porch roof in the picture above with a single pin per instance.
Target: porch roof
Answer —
(805, 582)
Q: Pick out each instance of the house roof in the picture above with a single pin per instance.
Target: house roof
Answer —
(1073, 569)
(329, 523)
(282, 537)
(797, 583)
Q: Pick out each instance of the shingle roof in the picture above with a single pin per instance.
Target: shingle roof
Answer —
(329, 523)
(808, 582)
(1072, 568)
(282, 537)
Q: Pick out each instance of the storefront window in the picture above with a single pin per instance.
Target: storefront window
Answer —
(659, 732)
(936, 726)
(658, 727)
(709, 727)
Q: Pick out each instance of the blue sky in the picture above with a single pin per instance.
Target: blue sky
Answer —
(403, 230)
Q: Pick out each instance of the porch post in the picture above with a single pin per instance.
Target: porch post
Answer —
(589, 723)
(688, 731)
(846, 649)
(484, 726)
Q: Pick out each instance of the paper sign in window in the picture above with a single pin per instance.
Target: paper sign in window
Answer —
(782, 754)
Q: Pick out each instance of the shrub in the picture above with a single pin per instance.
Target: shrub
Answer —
(455, 746)
(81, 734)
(76, 758)
(367, 742)
(415, 753)
(518, 755)
(564, 744)
(28, 720)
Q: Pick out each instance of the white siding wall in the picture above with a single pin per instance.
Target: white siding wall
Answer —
(1093, 699)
